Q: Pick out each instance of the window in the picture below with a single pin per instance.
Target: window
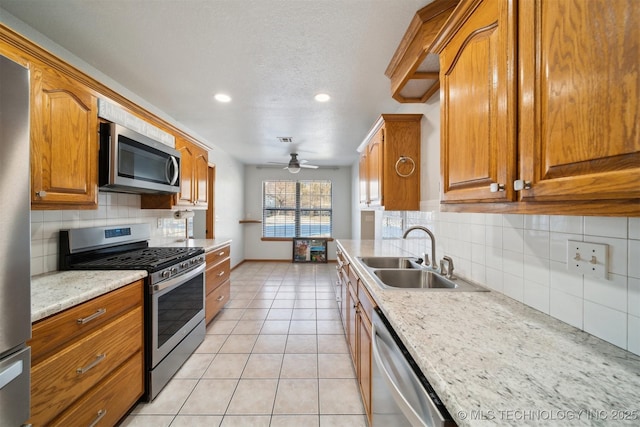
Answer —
(296, 209)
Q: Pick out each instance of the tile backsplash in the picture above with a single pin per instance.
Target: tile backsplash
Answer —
(525, 258)
(113, 209)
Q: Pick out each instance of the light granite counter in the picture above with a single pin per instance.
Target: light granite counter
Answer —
(208, 244)
(495, 361)
(54, 292)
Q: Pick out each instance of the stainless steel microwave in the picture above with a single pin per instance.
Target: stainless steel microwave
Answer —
(133, 163)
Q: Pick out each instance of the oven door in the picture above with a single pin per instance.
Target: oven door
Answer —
(177, 306)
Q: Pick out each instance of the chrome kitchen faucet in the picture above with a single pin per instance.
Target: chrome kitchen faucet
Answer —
(431, 263)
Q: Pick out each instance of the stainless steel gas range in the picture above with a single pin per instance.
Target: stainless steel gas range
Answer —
(174, 301)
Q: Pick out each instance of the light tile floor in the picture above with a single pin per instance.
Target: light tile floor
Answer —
(275, 356)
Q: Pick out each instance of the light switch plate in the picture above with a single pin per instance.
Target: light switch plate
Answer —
(587, 258)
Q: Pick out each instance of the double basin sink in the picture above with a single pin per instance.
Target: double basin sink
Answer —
(407, 273)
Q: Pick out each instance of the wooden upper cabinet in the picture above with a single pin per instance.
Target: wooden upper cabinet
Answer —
(579, 113)
(64, 142)
(477, 111)
(194, 181)
(542, 102)
(390, 163)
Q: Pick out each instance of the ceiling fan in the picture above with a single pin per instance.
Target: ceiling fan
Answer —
(295, 165)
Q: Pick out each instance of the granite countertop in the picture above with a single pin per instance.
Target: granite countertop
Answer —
(495, 361)
(54, 292)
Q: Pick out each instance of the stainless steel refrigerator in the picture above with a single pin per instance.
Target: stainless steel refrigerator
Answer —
(15, 251)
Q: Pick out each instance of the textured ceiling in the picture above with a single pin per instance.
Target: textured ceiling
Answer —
(270, 56)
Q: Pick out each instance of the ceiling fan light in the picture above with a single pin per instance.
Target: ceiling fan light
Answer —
(294, 169)
(322, 97)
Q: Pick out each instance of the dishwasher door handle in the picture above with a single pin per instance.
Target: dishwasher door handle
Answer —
(403, 404)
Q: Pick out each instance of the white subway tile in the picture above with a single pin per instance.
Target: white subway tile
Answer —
(494, 220)
(71, 215)
(37, 265)
(605, 226)
(513, 286)
(51, 229)
(566, 224)
(558, 245)
(537, 243)
(494, 279)
(37, 216)
(513, 239)
(37, 248)
(611, 293)
(513, 221)
(50, 263)
(513, 263)
(102, 198)
(537, 270)
(478, 234)
(565, 307)
(52, 216)
(633, 297)
(494, 237)
(537, 296)
(494, 258)
(618, 251)
(564, 281)
(37, 230)
(478, 218)
(536, 222)
(633, 258)
(478, 272)
(478, 254)
(606, 323)
(634, 228)
(633, 334)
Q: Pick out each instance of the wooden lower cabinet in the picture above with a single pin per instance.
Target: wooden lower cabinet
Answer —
(218, 283)
(356, 312)
(101, 367)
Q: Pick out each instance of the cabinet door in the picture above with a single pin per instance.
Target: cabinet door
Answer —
(201, 177)
(374, 168)
(64, 143)
(351, 316)
(580, 117)
(364, 362)
(363, 178)
(187, 159)
(477, 73)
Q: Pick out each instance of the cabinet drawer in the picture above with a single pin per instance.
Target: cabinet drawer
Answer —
(48, 334)
(216, 300)
(366, 301)
(60, 379)
(216, 255)
(217, 274)
(105, 404)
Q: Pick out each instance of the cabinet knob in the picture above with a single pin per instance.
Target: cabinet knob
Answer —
(41, 193)
(521, 184)
(495, 187)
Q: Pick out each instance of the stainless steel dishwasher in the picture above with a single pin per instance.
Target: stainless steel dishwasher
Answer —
(401, 395)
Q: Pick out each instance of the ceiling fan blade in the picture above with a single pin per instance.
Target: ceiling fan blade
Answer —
(309, 166)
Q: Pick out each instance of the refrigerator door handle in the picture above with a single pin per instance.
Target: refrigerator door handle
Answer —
(11, 373)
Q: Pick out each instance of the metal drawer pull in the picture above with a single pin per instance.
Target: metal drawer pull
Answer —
(95, 315)
(221, 274)
(221, 253)
(99, 358)
(101, 414)
(220, 298)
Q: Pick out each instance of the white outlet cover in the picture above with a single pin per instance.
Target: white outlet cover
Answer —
(591, 259)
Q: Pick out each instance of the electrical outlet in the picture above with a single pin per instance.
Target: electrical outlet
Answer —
(159, 222)
(586, 258)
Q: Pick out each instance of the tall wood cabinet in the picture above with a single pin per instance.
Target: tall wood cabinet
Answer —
(540, 107)
(390, 163)
(64, 142)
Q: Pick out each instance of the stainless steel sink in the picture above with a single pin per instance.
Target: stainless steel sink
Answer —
(422, 279)
(390, 262)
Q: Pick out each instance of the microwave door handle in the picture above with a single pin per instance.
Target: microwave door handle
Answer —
(171, 161)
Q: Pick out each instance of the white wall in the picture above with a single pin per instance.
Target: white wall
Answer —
(525, 256)
(255, 248)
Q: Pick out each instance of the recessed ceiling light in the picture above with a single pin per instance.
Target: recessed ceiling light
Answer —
(221, 97)
(322, 97)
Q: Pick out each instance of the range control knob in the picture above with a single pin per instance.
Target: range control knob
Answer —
(184, 265)
(174, 270)
(200, 259)
(165, 274)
